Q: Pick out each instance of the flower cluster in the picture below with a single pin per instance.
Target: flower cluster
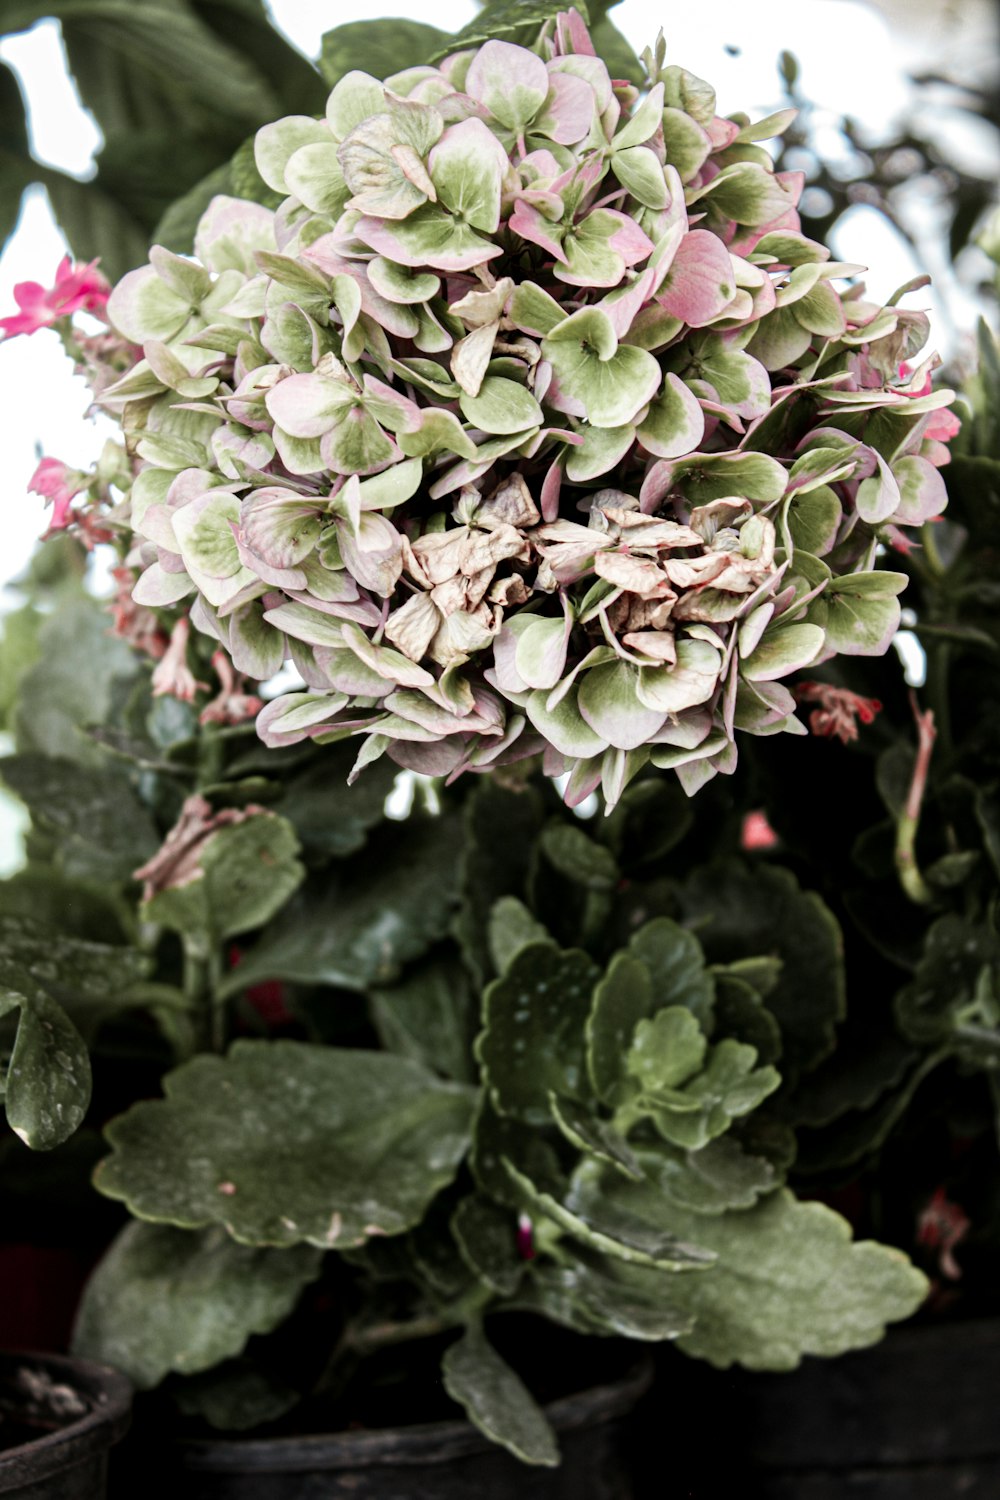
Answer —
(77, 289)
(530, 422)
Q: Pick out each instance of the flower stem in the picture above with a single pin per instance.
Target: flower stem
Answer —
(910, 878)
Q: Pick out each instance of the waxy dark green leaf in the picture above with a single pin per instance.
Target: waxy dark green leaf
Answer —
(285, 1142)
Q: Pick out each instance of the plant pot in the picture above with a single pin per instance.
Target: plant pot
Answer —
(429, 1461)
(913, 1418)
(58, 1419)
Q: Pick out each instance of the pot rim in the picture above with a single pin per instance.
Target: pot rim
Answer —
(425, 1442)
(107, 1390)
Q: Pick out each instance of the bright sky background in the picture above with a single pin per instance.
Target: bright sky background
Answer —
(850, 62)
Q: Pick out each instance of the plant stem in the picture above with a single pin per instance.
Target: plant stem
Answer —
(910, 878)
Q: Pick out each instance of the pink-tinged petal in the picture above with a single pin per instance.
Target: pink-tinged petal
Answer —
(428, 237)
(592, 70)
(541, 166)
(307, 406)
(530, 225)
(572, 34)
(569, 110)
(922, 493)
(721, 133)
(511, 81)
(34, 313)
(395, 319)
(623, 304)
(700, 281)
(549, 497)
(943, 425)
(793, 183)
(632, 243)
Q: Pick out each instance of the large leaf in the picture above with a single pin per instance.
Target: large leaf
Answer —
(596, 1294)
(245, 873)
(379, 47)
(331, 818)
(431, 1016)
(533, 1037)
(46, 1082)
(510, 20)
(789, 1282)
(285, 1142)
(500, 829)
(359, 929)
(747, 910)
(90, 980)
(497, 1400)
(72, 682)
(103, 832)
(167, 1300)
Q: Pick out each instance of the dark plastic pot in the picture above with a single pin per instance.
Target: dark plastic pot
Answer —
(58, 1419)
(914, 1418)
(433, 1461)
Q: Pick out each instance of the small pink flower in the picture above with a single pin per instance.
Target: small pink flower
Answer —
(525, 1238)
(77, 289)
(838, 711)
(134, 622)
(757, 832)
(55, 481)
(231, 705)
(172, 675)
(941, 1225)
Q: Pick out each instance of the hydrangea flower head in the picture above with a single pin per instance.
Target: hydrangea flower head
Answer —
(530, 422)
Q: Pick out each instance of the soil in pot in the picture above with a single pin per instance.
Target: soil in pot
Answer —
(58, 1419)
(433, 1453)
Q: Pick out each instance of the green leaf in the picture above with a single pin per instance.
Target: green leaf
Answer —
(532, 1041)
(729, 1086)
(331, 818)
(676, 965)
(512, 927)
(666, 1051)
(90, 980)
(246, 872)
(102, 830)
(500, 827)
(788, 1282)
(602, 1223)
(285, 1142)
(176, 227)
(380, 47)
(72, 682)
(945, 983)
(622, 999)
(496, 1400)
(235, 1396)
(597, 1294)
(593, 1136)
(744, 909)
(430, 1016)
(486, 1235)
(507, 20)
(164, 1300)
(718, 1177)
(576, 856)
(366, 922)
(46, 1084)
